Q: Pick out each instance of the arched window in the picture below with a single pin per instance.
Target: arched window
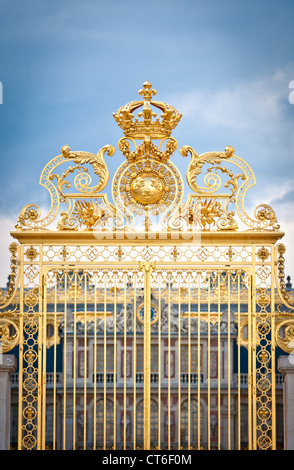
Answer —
(194, 423)
(153, 424)
(107, 433)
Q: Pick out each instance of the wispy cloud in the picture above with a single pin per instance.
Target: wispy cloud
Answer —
(258, 105)
(255, 116)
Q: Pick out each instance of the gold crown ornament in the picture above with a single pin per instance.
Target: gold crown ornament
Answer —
(147, 183)
(150, 125)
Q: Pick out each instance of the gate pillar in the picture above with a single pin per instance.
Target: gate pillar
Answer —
(286, 366)
(7, 366)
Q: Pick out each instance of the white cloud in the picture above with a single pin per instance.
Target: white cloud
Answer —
(259, 118)
(284, 210)
(255, 117)
(256, 105)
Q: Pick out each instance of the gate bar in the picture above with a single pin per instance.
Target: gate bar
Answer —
(273, 378)
(189, 360)
(179, 361)
(169, 363)
(253, 353)
(134, 358)
(95, 364)
(159, 360)
(115, 359)
(64, 361)
(85, 361)
(208, 363)
(147, 267)
(198, 360)
(104, 365)
(43, 322)
(229, 359)
(219, 362)
(239, 364)
(125, 358)
(54, 360)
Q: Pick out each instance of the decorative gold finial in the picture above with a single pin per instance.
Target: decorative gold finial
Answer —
(147, 128)
(148, 91)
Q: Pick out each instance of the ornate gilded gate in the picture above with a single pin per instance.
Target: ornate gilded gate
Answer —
(197, 371)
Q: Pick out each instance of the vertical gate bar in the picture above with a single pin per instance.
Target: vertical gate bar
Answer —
(147, 268)
(253, 349)
(74, 361)
(159, 360)
(169, 363)
(54, 361)
(229, 359)
(239, 363)
(198, 360)
(208, 363)
(20, 358)
(273, 348)
(21, 342)
(135, 361)
(115, 359)
(21, 346)
(189, 360)
(179, 361)
(95, 362)
(218, 361)
(43, 374)
(64, 360)
(43, 295)
(85, 361)
(125, 358)
(147, 360)
(250, 311)
(41, 399)
(104, 364)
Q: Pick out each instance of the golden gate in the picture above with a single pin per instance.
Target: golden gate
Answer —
(197, 371)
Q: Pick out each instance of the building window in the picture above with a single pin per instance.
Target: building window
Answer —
(153, 424)
(193, 353)
(193, 419)
(154, 358)
(104, 435)
(109, 358)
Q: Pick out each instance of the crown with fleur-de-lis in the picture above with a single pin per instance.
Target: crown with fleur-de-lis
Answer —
(147, 124)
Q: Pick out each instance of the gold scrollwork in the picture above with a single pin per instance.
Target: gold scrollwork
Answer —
(30, 215)
(147, 149)
(265, 216)
(89, 214)
(13, 277)
(197, 162)
(160, 191)
(285, 335)
(9, 334)
(280, 274)
(98, 164)
(199, 214)
(264, 213)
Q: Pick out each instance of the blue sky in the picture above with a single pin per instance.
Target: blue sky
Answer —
(66, 66)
